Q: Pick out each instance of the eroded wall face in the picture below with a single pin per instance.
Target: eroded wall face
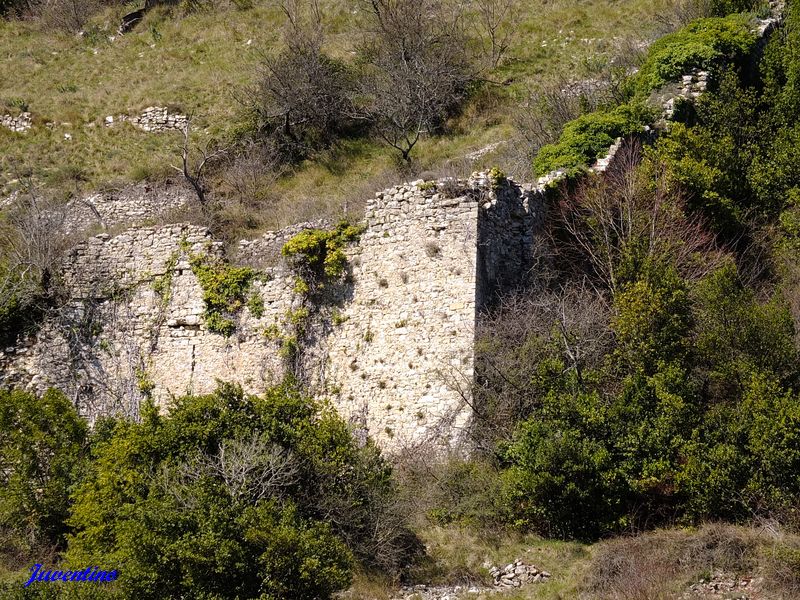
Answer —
(392, 348)
(402, 355)
(134, 326)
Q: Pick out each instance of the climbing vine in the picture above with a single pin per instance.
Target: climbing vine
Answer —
(163, 285)
(317, 255)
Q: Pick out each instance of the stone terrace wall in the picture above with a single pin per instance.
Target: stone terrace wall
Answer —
(153, 119)
(132, 205)
(21, 123)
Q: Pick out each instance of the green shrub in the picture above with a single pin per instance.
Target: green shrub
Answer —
(652, 322)
(225, 290)
(721, 8)
(588, 137)
(702, 44)
(746, 456)
(233, 496)
(318, 255)
(255, 304)
(43, 443)
(562, 480)
(738, 336)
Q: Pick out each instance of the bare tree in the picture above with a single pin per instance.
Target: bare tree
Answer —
(251, 469)
(302, 100)
(623, 216)
(496, 26)
(69, 15)
(682, 12)
(246, 186)
(32, 243)
(194, 169)
(569, 323)
(417, 69)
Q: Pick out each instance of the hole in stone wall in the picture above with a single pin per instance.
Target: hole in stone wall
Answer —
(432, 249)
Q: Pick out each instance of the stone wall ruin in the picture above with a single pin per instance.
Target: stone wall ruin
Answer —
(393, 352)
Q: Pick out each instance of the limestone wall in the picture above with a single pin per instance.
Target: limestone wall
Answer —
(401, 362)
(154, 119)
(119, 336)
(133, 205)
(393, 350)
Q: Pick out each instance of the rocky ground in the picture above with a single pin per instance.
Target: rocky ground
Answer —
(727, 586)
(510, 576)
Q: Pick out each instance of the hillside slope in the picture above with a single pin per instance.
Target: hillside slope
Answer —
(198, 64)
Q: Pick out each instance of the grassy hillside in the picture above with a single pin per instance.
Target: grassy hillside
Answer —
(198, 64)
(704, 562)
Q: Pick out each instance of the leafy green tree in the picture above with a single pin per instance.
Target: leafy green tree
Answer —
(737, 336)
(745, 458)
(43, 443)
(562, 479)
(232, 496)
(652, 321)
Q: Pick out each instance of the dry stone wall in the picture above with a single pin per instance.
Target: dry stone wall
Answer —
(393, 351)
(401, 361)
(134, 326)
(133, 205)
(154, 119)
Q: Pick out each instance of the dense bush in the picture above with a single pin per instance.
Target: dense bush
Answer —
(692, 412)
(43, 443)
(713, 41)
(667, 429)
(701, 44)
(589, 136)
(234, 496)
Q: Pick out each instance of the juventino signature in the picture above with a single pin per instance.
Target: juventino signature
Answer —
(88, 574)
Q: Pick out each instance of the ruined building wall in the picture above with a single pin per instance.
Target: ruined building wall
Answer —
(394, 353)
(134, 325)
(401, 362)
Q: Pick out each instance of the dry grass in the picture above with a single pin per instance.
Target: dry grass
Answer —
(196, 64)
(661, 564)
(651, 566)
(457, 556)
